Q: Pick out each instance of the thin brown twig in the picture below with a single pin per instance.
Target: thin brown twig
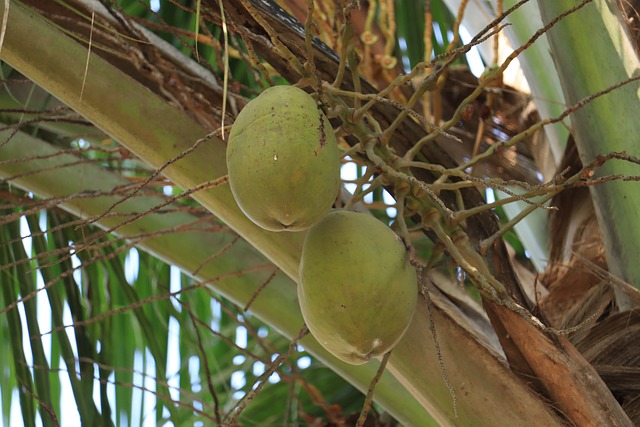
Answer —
(424, 290)
(204, 359)
(529, 131)
(191, 226)
(51, 168)
(153, 176)
(262, 380)
(260, 288)
(369, 398)
(203, 186)
(49, 410)
(494, 73)
(69, 151)
(130, 242)
(55, 201)
(143, 302)
(144, 389)
(216, 255)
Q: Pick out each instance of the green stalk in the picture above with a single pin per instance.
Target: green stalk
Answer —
(157, 349)
(8, 283)
(27, 285)
(86, 408)
(592, 51)
(7, 377)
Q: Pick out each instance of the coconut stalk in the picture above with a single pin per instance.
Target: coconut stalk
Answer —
(156, 132)
(592, 52)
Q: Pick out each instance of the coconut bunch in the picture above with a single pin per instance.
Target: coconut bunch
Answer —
(357, 289)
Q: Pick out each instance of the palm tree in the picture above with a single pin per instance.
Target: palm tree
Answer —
(131, 154)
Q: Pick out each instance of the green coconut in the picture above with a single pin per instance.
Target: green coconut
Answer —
(283, 160)
(357, 291)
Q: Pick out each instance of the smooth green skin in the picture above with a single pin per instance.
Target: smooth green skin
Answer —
(283, 160)
(357, 290)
